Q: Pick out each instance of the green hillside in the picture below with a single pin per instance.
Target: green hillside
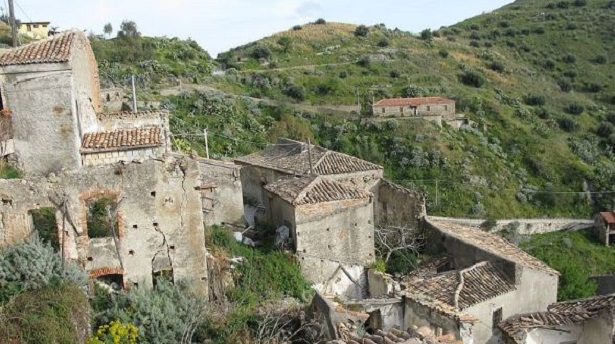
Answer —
(536, 77)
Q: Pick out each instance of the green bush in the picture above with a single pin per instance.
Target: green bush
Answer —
(569, 58)
(600, 59)
(604, 129)
(534, 99)
(443, 53)
(261, 51)
(361, 31)
(320, 21)
(297, 28)
(575, 109)
(497, 66)
(7, 171)
(567, 124)
(426, 34)
(472, 78)
(364, 61)
(383, 43)
(395, 73)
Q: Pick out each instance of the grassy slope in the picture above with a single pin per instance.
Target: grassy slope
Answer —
(524, 147)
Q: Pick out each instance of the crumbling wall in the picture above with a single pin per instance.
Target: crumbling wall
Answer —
(398, 206)
(86, 89)
(111, 157)
(341, 231)
(418, 314)
(335, 278)
(222, 192)
(46, 134)
(253, 178)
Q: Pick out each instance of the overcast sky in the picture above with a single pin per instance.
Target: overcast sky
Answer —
(223, 24)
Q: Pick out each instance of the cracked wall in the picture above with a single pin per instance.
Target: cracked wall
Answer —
(159, 212)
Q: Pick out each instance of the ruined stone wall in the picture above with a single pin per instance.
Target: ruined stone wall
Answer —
(418, 314)
(86, 89)
(340, 231)
(159, 215)
(110, 157)
(46, 134)
(281, 213)
(330, 277)
(223, 202)
(525, 226)
(253, 178)
(398, 206)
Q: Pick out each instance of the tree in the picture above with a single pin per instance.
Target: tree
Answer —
(128, 29)
(392, 241)
(108, 29)
(361, 31)
(426, 34)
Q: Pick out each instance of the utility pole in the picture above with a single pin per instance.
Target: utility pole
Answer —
(13, 24)
(134, 94)
(206, 143)
(437, 204)
(310, 155)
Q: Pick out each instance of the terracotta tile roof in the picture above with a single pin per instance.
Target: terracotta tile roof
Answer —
(608, 216)
(292, 157)
(473, 285)
(55, 49)
(414, 101)
(491, 243)
(122, 139)
(558, 314)
(314, 189)
(394, 335)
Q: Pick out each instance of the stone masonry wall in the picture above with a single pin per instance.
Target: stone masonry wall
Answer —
(398, 206)
(526, 226)
(222, 192)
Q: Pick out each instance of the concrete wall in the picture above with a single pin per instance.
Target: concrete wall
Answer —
(341, 231)
(398, 206)
(159, 215)
(526, 226)
(46, 134)
(226, 197)
(110, 157)
(443, 110)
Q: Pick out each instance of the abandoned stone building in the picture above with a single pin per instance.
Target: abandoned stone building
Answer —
(415, 107)
(604, 226)
(289, 158)
(584, 321)
(327, 221)
(61, 74)
(491, 279)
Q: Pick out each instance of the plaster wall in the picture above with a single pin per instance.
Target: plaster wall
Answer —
(110, 157)
(86, 88)
(46, 134)
(340, 231)
(227, 203)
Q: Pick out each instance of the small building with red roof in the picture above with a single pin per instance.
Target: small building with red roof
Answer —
(605, 226)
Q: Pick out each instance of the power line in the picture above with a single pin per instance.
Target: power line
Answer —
(22, 11)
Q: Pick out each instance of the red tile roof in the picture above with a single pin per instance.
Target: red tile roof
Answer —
(55, 49)
(414, 101)
(608, 216)
(125, 138)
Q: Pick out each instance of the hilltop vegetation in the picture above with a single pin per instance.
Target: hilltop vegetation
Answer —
(534, 76)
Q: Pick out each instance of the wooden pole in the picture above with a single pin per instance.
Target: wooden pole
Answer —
(134, 95)
(310, 156)
(13, 24)
(206, 143)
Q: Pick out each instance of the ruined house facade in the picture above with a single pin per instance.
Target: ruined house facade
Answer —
(328, 222)
(497, 279)
(155, 208)
(583, 321)
(65, 128)
(415, 107)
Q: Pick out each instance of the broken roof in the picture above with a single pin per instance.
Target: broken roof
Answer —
(464, 288)
(292, 157)
(54, 49)
(122, 139)
(491, 243)
(132, 114)
(414, 102)
(608, 216)
(314, 189)
(558, 314)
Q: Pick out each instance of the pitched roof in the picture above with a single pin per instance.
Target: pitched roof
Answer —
(558, 314)
(292, 157)
(491, 243)
(464, 288)
(608, 216)
(414, 101)
(122, 139)
(314, 189)
(54, 49)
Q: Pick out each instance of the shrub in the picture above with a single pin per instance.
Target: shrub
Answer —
(261, 51)
(413, 91)
(569, 58)
(361, 31)
(549, 64)
(364, 61)
(395, 73)
(510, 32)
(320, 21)
(383, 43)
(580, 3)
(567, 124)
(610, 117)
(472, 78)
(504, 24)
(497, 66)
(295, 92)
(540, 30)
(475, 35)
(575, 109)
(297, 28)
(570, 74)
(534, 99)
(343, 74)
(563, 4)
(474, 44)
(443, 53)
(600, 59)
(7, 171)
(426, 34)
(564, 85)
(475, 27)
(593, 88)
(604, 130)
(488, 224)
(571, 26)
